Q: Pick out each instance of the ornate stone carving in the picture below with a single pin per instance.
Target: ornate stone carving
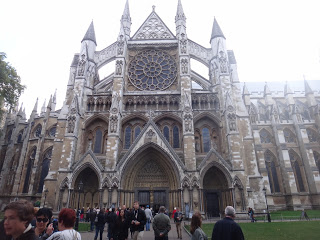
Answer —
(119, 65)
(188, 122)
(184, 66)
(71, 123)
(81, 65)
(232, 121)
(120, 45)
(113, 123)
(223, 62)
(183, 44)
(150, 134)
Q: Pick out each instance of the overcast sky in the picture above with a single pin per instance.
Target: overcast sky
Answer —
(274, 40)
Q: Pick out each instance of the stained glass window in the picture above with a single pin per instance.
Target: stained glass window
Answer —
(127, 138)
(265, 136)
(37, 133)
(137, 131)
(297, 171)
(19, 140)
(317, 159)
(152, 70)
(176, 143)
(288, 136)
(28, 173)
(44, 169)
(98, 141)
(166, 133)
(312, 135)
(272, 171)
(52, 131)
(206, 140)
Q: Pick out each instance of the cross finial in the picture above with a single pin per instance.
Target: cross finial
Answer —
(153, 8)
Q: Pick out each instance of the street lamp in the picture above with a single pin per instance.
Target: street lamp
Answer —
(265, 196)
(80, 188)
(45, 197)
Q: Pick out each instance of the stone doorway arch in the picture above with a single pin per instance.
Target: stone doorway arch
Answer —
(217, 193)
(151, 177)
(90, 196)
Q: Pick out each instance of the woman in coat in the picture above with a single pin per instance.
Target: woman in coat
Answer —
(122, 226)
(195, 228)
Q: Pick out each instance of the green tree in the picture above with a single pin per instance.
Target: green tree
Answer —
(10, 86)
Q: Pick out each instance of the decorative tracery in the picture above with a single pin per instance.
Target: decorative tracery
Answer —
(152, 70)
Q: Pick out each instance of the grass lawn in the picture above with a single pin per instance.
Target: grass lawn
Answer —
(303, 230)
(290, 215)
(84, 227)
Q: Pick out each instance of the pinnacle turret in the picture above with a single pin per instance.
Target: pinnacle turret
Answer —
(266, 90)
(90, 34)
(43, 109)
(245, 90)
(180, 18)
(216, 30)
(287, 89)
(35, 106)
(126, 19)
(307, 88)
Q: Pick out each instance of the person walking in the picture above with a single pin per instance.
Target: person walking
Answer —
(92, 218)
(227, 228)
(101, 220)
(66, 220)
(138, 220)
(178, 219)
(149, 217)
(195, 228)
(111, 220)
(161, 225)
(17, 220)
(122, 226)
(251, 214)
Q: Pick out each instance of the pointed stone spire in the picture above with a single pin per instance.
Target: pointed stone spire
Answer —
(126, 19)
(54, 99)
(266, 90)
(245, 90)
(50, 102)
(20, 113)
(307, 88)
(216, 30)
(43, 109)
(90, 34)
(24, 114)
(287, 89)
(35, 106)
(180, 17)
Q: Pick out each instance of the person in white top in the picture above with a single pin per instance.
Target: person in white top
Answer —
(66, 220)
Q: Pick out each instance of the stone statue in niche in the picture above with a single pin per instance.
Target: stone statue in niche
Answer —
(183, 44)
(197, 144)
(184, 66)
(71, 123)
(120, 45)
(119, 64)
(81, 65)
(113, 124)
(232, 121)
(223, 62)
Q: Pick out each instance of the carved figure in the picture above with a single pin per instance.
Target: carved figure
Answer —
(232, 121)
(188, 122)
(223, 62)
(71, 124)
(184, 66)
(120, 45)
(81, 65)
(119, 67)
(113, 124)
(183, 44)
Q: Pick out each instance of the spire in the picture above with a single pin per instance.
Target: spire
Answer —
(35, 106)
(24, 113)
(20, 110)
(126, 19)
(50, 102)
(90, 35)
(43, 109)
(216, 30)
(180, 17)
(54, 99)
(307, 88)
(287, 89)
(266, 90)
(245, 90)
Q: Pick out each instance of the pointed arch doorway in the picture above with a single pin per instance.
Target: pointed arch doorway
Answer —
(217, 193)
(89, 195)
(152, 178)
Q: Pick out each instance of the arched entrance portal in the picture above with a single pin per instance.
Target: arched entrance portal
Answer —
(89, 196)
(217, 194)
(151, 178)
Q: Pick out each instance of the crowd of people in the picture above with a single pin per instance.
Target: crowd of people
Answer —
(24, 222)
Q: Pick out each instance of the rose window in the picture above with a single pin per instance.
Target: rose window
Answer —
(152, 70)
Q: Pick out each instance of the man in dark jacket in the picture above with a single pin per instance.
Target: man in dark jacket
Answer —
(161, 225)
(227, 229)
(100, 224)
(111, 220)
(178, 219)
(92, 217)
(138, 220)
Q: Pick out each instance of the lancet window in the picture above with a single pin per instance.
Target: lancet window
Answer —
(312, 135)
(44, 168)
(270, 161)
(265, 136)
(28, 171)
(297, 169)
(289, 137)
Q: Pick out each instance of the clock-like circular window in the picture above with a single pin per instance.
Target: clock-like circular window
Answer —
(152, 70)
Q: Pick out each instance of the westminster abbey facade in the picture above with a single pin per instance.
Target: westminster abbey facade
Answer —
(158, 131)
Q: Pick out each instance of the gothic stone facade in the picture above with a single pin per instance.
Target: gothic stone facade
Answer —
(157, 131)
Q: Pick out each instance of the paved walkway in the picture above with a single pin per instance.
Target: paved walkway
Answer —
(147, 235)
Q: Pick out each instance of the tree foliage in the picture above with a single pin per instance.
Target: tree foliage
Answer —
(10, 86)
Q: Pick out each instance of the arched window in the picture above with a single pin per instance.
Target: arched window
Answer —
(176, 143)
(52, 131)
(265, 136)
(44, 169)
(127, 138)
(98, 141)
(37, 132)
(297, 170)
(19, 140)
(28, 173)
(312, 135)
(9, 135)
(166, 133)
(206, 140)
(272, 171)
(137, 131)
(288, 136)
